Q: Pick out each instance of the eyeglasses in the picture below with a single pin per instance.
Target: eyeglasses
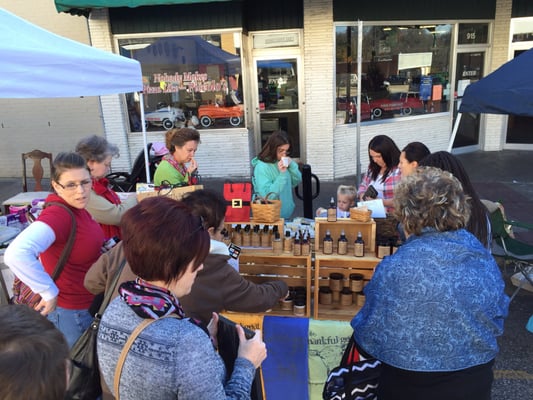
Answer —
(71, 186)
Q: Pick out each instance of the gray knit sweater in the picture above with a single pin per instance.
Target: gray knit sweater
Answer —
(171, 359)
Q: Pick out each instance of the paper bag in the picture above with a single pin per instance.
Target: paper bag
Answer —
(238, 196)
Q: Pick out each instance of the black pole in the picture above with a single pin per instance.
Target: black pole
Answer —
(307, 190)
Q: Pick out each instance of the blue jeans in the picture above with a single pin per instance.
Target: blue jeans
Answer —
(72, 323)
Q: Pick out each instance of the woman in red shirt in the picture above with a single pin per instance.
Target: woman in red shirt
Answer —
(34, 253)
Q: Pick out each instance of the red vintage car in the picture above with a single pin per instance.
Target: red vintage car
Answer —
(403, 102)
(209, 113)
(365, 107)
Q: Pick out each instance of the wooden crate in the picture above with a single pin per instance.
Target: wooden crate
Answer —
(351, 228)
(261, 266)
(346, 265)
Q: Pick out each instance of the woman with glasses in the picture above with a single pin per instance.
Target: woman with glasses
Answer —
(104, 205)
(179, 166)
(275, 172)
(34, 253)
(173, 357)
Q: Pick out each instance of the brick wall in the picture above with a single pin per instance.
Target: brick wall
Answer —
(495, 126)
(319, 87)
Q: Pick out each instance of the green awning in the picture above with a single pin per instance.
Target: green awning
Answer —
(80, 6)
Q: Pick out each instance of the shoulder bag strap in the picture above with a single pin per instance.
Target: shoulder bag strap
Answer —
(126, 349)
(109, 293)
(70, 242)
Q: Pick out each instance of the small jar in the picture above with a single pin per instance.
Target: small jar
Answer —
(325, 295)
(361, 299)
(336, 281)
(383, 249)
(356, 282)
(287, 304)
(299, 308)
(346, 297)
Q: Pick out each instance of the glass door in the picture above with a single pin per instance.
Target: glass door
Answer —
(277, 103)
(469, 69)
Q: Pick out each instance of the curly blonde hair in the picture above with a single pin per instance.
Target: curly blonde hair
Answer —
(431, 198)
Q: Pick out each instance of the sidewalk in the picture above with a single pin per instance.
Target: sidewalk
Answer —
(499, 176)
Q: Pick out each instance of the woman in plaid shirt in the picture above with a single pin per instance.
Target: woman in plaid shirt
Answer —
(383, 172)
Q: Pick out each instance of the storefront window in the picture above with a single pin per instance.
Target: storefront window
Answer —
(187, 80)
(405, 71)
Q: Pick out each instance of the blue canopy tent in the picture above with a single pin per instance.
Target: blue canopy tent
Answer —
(507, 90)
(36, 63)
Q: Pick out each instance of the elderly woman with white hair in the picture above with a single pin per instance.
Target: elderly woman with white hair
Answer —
(434, 309)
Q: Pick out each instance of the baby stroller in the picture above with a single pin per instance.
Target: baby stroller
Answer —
(127, 182)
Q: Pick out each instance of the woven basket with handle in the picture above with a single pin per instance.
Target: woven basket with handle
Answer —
(265, 209)
(360, 214)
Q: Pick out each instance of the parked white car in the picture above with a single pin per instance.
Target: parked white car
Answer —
(167, 117)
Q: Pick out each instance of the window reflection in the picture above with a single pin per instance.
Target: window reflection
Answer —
(187, 80)
(405, 71)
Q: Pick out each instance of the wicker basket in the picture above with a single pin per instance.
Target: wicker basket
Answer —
(360, 214)
(265, 209)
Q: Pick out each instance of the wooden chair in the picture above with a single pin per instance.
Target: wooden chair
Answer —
(37, 170)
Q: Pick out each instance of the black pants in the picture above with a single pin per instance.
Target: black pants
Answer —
(468, 384)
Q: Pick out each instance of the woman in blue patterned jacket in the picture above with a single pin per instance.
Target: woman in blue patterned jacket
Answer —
(434, 309)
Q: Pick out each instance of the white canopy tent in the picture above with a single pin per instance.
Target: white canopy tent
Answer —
(36, 63)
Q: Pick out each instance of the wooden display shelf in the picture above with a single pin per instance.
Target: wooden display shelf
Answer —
(351, 228)
(261, 266)
(346, 265)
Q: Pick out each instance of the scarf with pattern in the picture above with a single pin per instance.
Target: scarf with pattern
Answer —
(180, 167)
(149, 301)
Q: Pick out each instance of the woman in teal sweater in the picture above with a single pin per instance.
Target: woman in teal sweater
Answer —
(275, 172)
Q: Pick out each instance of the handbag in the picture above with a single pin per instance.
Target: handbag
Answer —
(22, 294)
(356, 377)
(84, 383)
(238, 196)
